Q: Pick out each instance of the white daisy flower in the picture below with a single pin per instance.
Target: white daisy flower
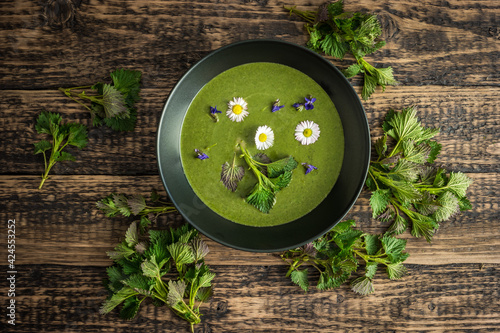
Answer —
(237, 109)
(307, 132)
(264, 137)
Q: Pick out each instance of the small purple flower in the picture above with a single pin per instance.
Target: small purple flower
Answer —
(213, 110)
(276, 106)
(201, 155)
(298, 106)
(213, 113)
(309, 103)
(309, 167)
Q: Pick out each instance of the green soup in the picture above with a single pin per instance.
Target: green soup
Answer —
(260, 84)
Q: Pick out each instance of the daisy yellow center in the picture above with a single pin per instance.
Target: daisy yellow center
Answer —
(307, 132)
(237, 109)
(262, 137)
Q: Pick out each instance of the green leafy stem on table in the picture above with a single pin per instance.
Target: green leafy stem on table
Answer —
(62, 135)
(406, 185)
(111, 104)
(166, 266)
(337, 255)
(336, 33)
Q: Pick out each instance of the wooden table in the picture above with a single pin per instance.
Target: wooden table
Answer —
(444, 53)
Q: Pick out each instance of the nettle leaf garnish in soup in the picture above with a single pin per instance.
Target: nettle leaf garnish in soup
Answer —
(272, 177)
(231, 174)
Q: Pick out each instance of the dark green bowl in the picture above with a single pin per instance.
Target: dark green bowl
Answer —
(322, 218)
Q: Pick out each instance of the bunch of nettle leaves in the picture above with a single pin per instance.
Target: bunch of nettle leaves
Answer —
(337, 33)
(166, 266)
(110, 104)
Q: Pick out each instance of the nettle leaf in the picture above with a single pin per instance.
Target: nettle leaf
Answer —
(299, 277)
(352, 70)
(458, 183)
(131, 235)
(139, 283)
(47, 122)
(334, 46)
(379, 201)
(116, 299)
(120, 251)
(434, 152)
(405, 125)
(204, 294)
(381, 145)
(423, 226)
(136, 203)
(77, 135)
(406, 170)
(176, 290)
(396, 270)
(181, 253)
(128, 83)
(427, 205)
(282, 180)
(64, 156)
(464, 204)
(394, 248)
(42, 146)
(279, 167)
(385, 77)
(231, 175)
(113, 102)
(371, 269)
(150, 267)
(369, 86)
(122, 123)
(200, 249)
(363, 286)
(261, 198)
(448, 206)
(399, 225)
(130, 308)
(372, 244)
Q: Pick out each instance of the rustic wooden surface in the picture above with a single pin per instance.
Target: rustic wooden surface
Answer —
(446, 54)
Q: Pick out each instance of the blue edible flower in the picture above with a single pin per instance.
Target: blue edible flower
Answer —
(213, 110)
(309, 167)
(201, 155)
(309, 103)
(276, 106)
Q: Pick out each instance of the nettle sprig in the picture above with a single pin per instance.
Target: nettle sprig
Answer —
(338, 254)
(272, 177)
(166, 266)
(62, 135)
(407, 188)
(337, 33)
(111, 104)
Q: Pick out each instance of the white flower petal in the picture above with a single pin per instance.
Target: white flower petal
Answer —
(269, 137)
(301, 127)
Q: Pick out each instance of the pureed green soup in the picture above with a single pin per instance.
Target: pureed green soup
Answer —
(260, 84)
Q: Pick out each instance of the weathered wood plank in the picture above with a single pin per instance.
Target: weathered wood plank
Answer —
(428, 43)
(468, 117)
(62, 225)
(458, 298)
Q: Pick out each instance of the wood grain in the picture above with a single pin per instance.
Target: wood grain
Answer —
(62, 225)
(467, 116)
(428, 42)
(452, 298)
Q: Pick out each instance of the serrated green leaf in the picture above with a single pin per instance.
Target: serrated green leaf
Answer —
(369, 86)
(406, 170)
(385, 77)
(130, 308)
(379, 201)
(128, 83)
(136, 203)
(139, 283)
(231, 175)
(47, 122)
(120, 251)
(299, 277)
(200, 249)
(371, 269)
(363, 286)
(113, 102)
(423, 226)
(372, 244)
(333, 45)
(116, 299)
(458, 183)
(396, 271)
(131, 235)
(176, 290)
(399, 225)
(352, 70)
(181, 253)
(125, 124)
(42, 146)
(64, 156)
(394, 248)
(435, 150)
(464, 204)
(381, 145)
(448, 206)
(335, 8)
(261, 198)
(204, 294)
(77, 135)
(281, 166)
(150, 268)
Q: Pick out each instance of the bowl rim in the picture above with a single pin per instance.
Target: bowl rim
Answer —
(366, 159)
